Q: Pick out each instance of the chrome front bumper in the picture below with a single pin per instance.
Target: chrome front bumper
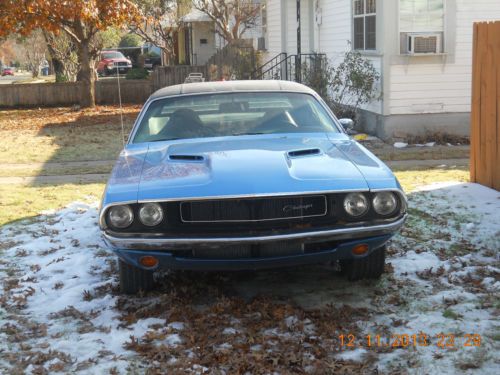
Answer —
(167, 243)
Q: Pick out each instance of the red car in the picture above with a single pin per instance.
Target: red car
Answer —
(112, 60)
(7, 72)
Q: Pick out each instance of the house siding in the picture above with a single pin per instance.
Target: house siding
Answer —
(333, 35)
(273, 29)
(443, 86)
(291, 26)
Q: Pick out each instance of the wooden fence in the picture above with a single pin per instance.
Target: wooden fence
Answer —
(164, 76)
(485, 116)
(132, 91)
(106, 90)
(39, 94)
(68, 93)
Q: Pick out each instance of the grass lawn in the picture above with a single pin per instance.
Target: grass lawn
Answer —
(437, 152)
(411, 179)
(46, 170)
(20, 202)
(61, 134)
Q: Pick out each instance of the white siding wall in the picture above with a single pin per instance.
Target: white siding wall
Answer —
(273, 29)
(291, 26)
(442, 87)
(333, 34)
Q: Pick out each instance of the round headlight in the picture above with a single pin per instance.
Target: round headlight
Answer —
(151, 214)
(384, 203)
(120, 216)
(356, 204)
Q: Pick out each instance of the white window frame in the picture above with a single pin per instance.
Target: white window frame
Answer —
(443, 33)
(363, 16)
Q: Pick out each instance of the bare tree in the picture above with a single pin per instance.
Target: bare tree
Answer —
(232, 18)
(159, 21)
(63, 54)
(34, 51)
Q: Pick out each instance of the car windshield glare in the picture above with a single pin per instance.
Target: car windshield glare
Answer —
(233, 114)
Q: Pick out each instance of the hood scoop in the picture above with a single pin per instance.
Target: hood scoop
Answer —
(305, 152)
(187, 158)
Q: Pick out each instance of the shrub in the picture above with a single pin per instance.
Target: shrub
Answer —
(317, 73)
(345, 87)
(353, 84)
(137, 73)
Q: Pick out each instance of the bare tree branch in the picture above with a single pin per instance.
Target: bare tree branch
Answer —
(232, 18)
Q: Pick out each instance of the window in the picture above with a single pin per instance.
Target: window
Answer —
(365, 24)
(422, 20)
(234, 114)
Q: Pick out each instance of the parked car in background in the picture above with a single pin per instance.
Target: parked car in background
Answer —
(150, 62)
(111, 61)
(7, 71)
(244, 175)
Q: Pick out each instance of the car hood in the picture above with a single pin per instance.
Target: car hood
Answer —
(245, 166)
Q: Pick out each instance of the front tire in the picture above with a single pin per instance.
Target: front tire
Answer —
(134, 279)
(369, 267)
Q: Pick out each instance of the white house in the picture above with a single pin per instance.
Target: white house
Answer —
(198, 40)
(422, 49)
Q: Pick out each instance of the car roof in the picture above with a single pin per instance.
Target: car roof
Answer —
(230, 86)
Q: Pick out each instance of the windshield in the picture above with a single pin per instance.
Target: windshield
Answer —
(112, 55)
(234, 114)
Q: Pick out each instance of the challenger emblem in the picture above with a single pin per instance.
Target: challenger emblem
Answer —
(292, 207)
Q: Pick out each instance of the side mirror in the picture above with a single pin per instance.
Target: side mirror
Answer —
(346, 123)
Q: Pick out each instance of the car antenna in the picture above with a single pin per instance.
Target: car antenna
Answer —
(121, 108)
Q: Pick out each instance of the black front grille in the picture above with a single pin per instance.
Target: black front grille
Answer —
(253, 209)
(121, 63)
(268, 250)
(262, 216)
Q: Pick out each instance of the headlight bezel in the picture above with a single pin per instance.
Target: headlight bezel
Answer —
(113, 223)
(158, 221)
(395, 200)
(363, 197)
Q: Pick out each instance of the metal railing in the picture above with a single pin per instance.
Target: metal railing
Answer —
(269, 68)
(291, 67)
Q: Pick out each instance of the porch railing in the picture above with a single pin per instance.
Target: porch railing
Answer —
(290, 67)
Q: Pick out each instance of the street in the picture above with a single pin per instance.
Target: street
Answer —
(17, 77)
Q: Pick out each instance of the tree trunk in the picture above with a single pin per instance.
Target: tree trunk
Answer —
(35, 71)
(56, 63)
(86, 75)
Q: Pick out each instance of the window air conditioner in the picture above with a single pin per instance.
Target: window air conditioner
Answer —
(423, 43)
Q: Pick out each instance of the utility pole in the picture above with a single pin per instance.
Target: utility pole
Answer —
(298, 62)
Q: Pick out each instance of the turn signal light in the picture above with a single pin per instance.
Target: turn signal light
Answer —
(148, 261)
(360, 249)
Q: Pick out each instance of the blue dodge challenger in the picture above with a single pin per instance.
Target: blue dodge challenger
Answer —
(246, 175)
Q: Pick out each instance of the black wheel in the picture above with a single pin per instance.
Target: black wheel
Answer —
(133, 279)
(369, 267)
